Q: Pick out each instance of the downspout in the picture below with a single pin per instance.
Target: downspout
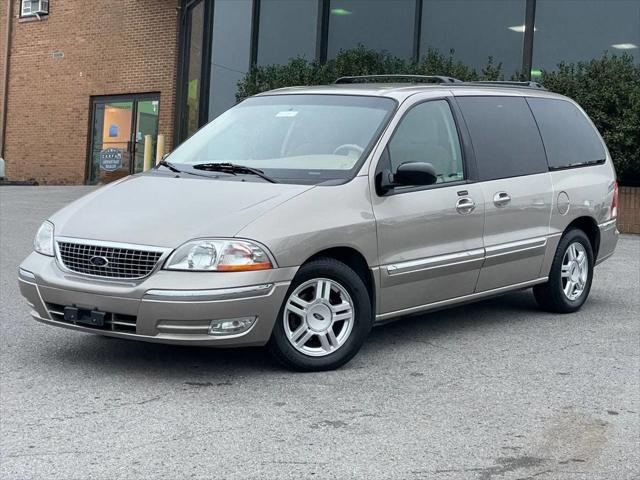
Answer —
(5, 77)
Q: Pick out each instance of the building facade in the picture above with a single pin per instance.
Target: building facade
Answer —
(86, 85)
(222, 38)
(82, 79)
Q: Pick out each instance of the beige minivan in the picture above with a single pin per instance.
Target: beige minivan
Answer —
(302, 217)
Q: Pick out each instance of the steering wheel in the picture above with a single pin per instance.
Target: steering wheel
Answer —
(349, 147)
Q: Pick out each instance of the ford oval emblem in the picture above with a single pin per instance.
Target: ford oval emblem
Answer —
(98, 261)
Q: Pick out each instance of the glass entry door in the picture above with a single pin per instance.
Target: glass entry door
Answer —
(118, 128)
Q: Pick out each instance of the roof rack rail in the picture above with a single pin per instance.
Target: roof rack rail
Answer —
(506, 83)
(414, 78)
(438, 79)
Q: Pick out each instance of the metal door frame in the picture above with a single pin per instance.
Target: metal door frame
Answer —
(134, 98)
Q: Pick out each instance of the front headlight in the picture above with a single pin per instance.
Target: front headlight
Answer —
(43, 243)
(218, 255)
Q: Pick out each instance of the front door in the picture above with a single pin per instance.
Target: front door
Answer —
(429, 238)
(118, 129)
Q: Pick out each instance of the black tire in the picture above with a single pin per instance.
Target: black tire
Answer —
(550, 296)
(329, 268)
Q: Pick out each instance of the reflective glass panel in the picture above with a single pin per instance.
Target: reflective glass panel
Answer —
(230, 52)
(572, 31)
(383, 25)
(195, 21)
(475, 30)
(287, 30)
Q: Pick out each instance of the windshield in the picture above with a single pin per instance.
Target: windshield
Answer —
(297, 138)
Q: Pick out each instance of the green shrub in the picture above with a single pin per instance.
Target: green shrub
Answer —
(358, 61)
(607, 88)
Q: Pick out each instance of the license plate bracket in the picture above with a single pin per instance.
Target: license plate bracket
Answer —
(92, 318)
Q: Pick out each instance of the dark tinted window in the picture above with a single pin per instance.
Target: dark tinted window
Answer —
(505, 137)
(568, 137)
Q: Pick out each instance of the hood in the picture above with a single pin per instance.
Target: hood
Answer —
(167, 211)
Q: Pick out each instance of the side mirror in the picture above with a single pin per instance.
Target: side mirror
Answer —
(409, 173)
(416, 173)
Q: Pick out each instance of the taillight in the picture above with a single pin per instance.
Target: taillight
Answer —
(614, 202)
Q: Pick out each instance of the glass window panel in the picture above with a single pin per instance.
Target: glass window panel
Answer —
(382, 25)
(475, 30)
(569, 138)
(428, 133)
(111, 133)
(303, 138)
(146, 124)
(505, 137)
(194, 69)
(230, 52)
(572, 31)
(280, 38)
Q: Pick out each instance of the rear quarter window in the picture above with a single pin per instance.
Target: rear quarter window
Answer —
(505, 137)
(568, 136)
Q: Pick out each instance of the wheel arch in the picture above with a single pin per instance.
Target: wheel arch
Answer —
(356, 261)
(589, 226)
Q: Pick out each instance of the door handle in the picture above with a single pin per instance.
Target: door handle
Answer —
(501, 199)
(465, 206)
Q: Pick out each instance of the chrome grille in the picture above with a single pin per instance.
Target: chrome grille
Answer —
(121, 262)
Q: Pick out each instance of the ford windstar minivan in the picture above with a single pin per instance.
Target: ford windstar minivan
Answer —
(302, 217)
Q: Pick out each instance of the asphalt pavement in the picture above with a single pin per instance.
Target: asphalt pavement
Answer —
(492, 390)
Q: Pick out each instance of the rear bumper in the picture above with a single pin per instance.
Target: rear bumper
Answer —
(608, 240)
(167, 307)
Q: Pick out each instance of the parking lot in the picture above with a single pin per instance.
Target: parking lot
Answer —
(494, 390)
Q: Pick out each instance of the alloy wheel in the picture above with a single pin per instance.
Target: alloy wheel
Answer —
(318, 317)
(574, 271)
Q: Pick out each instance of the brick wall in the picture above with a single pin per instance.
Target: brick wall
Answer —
(110, 47)
(3, 24)
(629, 210)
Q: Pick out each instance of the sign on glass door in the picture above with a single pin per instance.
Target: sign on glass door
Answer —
(119, 125)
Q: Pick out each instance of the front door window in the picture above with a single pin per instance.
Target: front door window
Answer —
(428, 133)
(119, 127)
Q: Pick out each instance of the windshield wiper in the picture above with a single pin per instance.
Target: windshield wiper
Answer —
(233, 169)
(173, 168)
(169, 165)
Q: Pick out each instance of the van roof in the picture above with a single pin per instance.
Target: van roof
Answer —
(402, 90)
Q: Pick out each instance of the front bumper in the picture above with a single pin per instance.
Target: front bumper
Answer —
(166, 307)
